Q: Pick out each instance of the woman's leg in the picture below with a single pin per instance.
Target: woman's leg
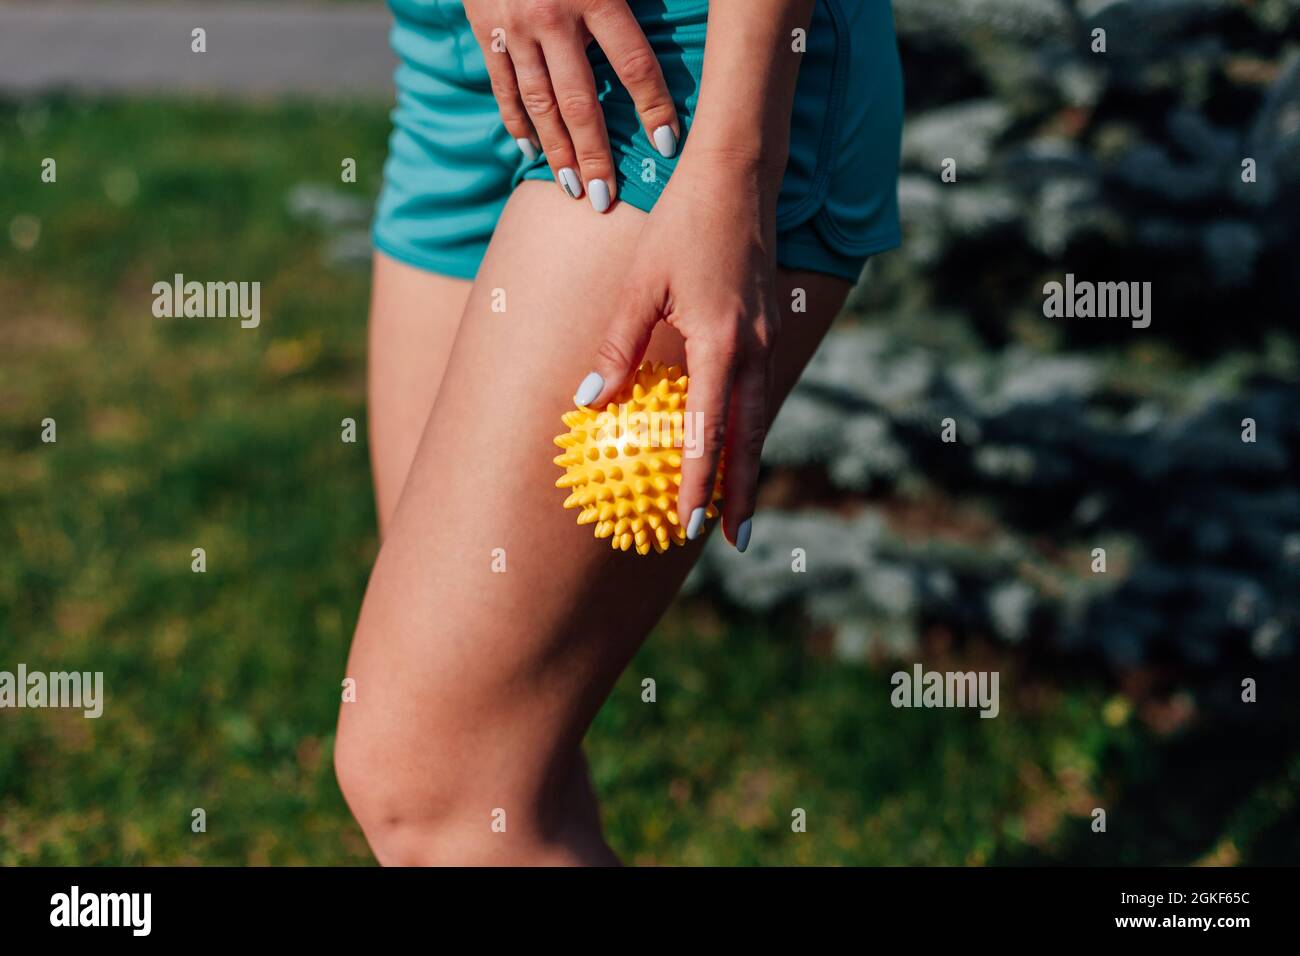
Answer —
(476, 680)
(413, 320)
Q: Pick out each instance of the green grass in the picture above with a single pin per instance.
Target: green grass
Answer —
(223, 687)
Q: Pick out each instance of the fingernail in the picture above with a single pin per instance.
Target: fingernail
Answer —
(527, 148)
(570, 183)
(693, 526)
(665, 141)
(591, 386)
(598, 193)
(743, 533)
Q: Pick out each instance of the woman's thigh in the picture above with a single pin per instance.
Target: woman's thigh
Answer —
(413, 319)
(494, 626)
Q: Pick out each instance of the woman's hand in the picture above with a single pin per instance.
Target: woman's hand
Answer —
(705, 265)
(541, 78)
(705, 259)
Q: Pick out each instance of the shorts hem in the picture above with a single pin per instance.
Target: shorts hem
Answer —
(451, 266)
(793, 253)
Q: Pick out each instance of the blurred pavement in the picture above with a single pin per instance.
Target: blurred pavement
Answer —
(252, 49)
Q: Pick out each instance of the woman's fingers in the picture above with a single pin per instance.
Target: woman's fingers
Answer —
(726, 406)
(746, 430)
(712, 365)
(575, 93)
(546, 92)
(619, 36)
(505, 88)
(539, 99)
(625, 343)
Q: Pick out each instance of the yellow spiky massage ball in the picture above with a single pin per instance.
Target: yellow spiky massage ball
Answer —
(624, 464)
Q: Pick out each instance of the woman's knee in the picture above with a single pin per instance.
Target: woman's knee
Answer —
(407, 825)
(427, 799)
(401, 821)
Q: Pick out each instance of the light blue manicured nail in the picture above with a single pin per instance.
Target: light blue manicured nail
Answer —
(665, 141)
(695, 524)
(598, 192)
(591, 386)
(527, 148)
(743, 533)
(570, 183)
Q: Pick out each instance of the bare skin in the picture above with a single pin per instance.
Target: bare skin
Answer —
(413, 320)
(475, 688)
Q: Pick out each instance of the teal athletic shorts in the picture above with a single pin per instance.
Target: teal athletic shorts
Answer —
(451, 164)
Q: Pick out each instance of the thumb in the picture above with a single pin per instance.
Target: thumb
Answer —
(620, 353)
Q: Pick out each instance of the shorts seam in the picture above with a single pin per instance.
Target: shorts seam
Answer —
(825, 223)
(874, 247)
(817, 260)
(814, 200)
